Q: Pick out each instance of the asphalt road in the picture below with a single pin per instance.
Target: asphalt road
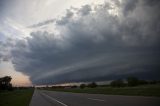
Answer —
(52, 98)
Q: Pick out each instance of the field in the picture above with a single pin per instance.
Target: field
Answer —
(16, 97)
(145, 90)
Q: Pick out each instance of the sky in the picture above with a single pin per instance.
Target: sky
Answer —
(59, 41)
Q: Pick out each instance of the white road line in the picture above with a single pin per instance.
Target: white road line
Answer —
(96, 99)
(54, 99)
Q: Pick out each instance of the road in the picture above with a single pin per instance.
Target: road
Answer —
(52, 98)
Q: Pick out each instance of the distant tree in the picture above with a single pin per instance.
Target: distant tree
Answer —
(117, 83)
(74, 86)
(132, 81)
(143, 82)
(82, 86)
(5, 83)
(153, 82)
(92, 85)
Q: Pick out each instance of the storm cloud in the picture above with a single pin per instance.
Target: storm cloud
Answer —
(95, 42)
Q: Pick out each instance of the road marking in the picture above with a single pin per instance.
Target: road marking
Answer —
(96, 99)
(54, 99)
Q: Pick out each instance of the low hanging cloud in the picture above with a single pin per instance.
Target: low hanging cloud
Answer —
(101, 42)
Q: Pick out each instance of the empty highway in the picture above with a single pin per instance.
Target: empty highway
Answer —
(52, 98)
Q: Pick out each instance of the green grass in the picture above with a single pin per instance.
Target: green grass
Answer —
(145, 90)
(16, 97)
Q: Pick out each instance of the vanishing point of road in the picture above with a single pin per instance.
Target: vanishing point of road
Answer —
(52, 98)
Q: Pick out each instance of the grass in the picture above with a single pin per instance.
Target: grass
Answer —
(16, 97)
(145, 90)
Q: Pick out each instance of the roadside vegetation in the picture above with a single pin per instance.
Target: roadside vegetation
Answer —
(145, 90)
(14, 96)
(130, 86)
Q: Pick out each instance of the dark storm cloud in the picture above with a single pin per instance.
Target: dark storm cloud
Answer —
(94, 44)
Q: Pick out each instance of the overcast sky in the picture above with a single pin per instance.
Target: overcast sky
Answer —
(59, 41)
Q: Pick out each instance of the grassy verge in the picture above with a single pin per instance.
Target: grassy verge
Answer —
(146, 90)
(16, 97)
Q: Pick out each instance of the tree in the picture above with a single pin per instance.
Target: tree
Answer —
(82, 86)
(5, 83)
(132, 81)
(142, 82)
(74, 86)
(117, 83)
(92, 85)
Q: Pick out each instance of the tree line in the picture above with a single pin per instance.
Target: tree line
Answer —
(130, 82)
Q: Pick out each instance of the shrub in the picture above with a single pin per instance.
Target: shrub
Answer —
(117, 83)
(92, 85)
(82, 86)
(132, 81)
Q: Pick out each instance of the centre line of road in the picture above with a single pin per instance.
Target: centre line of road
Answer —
(96, 99)
(54, 99)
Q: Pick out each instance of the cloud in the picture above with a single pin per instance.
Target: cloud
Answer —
(85, 10)
(6, 45)
(66, 18)
(129, 6)
(42, 23)
(103, 42)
